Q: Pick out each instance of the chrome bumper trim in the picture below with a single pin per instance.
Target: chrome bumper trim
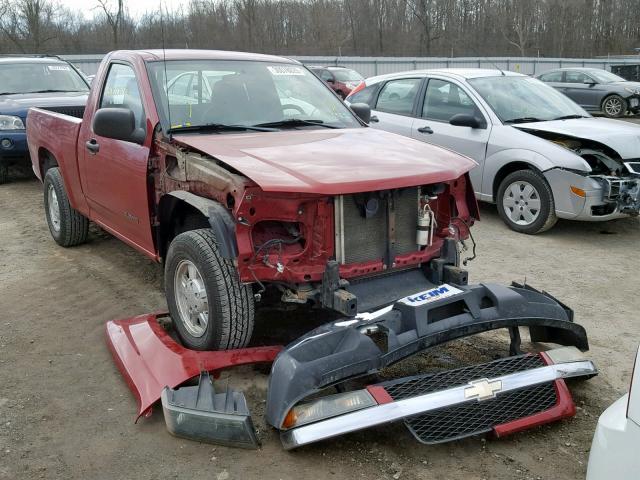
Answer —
(390, 412)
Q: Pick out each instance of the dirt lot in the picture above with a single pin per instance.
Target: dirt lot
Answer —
(66, 413)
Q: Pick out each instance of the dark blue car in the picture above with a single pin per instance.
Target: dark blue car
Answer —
(25, 82)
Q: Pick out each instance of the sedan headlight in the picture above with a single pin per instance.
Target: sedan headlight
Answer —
(633, 91)
(10, 122)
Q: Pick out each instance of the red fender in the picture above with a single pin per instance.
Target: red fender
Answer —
(151, 360)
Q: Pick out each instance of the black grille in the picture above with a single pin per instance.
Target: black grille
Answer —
(472, 418)
(77, 111)
(365, 239)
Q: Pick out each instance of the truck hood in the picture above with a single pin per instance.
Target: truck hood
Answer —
(621, 136)
(331, 162)
(19, 103)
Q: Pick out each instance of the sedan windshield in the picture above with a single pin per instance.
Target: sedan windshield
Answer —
(201, 93)
(525, 99)
(602, 76)
(39, 77)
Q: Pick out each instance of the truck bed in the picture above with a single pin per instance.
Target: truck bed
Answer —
(62, 146)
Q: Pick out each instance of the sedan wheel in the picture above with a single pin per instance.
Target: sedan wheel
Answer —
(525, 202)
(521, 202)
(614, 106)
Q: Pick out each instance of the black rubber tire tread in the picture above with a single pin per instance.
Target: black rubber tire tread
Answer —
(623, 111)
(231, 304)
(547, 218)
(74, 227)
(4, 173)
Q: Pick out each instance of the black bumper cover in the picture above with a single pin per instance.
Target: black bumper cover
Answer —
(353, 347)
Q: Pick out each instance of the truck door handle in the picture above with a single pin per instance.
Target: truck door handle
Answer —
(93, 146)
(425, 129)
(374, 119)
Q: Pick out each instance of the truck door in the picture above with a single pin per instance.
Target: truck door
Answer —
(442, 100)
(116, 171)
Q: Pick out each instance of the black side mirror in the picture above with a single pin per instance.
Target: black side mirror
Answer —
(591, 83)
(466, 120)
(362, 110)
(117, 123)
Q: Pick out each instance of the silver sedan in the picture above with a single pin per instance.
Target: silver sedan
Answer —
(540, 156)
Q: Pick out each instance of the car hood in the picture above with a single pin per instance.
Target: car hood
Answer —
(331, 161)
(20, 103)
(621, 136)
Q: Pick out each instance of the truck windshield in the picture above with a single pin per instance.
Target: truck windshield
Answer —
(39, 77)
(244, 93)
(523, 99)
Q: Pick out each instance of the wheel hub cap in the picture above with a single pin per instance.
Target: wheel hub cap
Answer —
(54, 208)
(521, 203)
(191, 298)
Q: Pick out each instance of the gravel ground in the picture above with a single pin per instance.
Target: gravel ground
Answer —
(66, 413)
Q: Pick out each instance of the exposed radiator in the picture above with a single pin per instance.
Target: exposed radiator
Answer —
(360, 239)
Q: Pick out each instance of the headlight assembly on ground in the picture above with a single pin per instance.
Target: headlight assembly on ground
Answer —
(328, 407)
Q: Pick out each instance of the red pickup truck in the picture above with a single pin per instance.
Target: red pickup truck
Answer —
(243, 172)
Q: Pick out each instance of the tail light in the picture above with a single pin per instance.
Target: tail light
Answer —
(361, 86)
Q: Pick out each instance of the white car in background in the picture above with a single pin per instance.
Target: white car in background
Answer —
(540, 156)
(615, 451)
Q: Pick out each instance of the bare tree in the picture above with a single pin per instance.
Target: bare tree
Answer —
(114, 18)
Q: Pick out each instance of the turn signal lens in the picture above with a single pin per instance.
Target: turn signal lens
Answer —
(327, 407)
(578, 191)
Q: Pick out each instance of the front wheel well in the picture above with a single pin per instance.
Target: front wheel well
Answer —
(508, 169)
(176, 216)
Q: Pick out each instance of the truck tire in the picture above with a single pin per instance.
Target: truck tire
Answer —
(525, 202)
(68, 227)
(614, 106)
(211, 309)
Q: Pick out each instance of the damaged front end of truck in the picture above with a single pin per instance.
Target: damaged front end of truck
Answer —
(383, 252)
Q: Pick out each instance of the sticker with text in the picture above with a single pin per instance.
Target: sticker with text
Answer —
(285, 70)
(443, 291)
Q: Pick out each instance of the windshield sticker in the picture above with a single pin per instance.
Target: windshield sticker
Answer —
(443, 291)
(58, 68)
(285, 70)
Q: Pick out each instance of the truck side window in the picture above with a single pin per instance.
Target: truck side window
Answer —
(121, 91)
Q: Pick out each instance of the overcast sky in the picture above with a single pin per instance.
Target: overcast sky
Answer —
(136, 8)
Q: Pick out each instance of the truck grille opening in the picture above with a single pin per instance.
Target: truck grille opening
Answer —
(362, 236)
(473, 418)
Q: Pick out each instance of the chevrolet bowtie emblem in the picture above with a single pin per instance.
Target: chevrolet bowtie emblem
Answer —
(483, 389)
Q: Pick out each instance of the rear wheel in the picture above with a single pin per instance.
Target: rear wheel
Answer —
(68, 227)
(614, 106)
(210, 307)
(525, 202)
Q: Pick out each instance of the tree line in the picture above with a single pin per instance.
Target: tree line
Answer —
(551, 28)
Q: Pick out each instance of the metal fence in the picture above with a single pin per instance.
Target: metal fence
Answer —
(370, 66)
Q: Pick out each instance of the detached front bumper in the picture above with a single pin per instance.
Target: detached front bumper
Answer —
(473, 404)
